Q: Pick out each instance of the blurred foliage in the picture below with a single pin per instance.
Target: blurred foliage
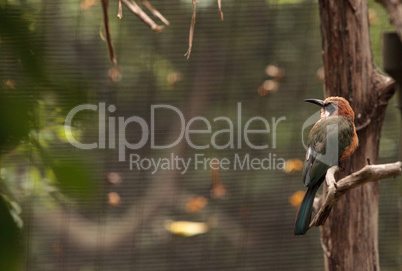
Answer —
(28, 132)
(15, 115)
(10, 235)
(52, 58)
(16, 32)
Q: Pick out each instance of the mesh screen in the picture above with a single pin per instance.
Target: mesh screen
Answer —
(109, 208)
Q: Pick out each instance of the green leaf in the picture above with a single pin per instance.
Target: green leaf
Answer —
(74, 177)
(10, 239)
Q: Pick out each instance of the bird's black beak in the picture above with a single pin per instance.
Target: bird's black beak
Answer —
(315, 101)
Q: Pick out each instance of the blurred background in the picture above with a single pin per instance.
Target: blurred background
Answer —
(62, 208)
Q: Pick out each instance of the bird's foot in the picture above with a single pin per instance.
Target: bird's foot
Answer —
(330, 177)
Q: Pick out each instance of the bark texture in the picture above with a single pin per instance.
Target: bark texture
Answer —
(349, 237)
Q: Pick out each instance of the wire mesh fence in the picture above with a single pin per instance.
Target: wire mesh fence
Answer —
(181, 164)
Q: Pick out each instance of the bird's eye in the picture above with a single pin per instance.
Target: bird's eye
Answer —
(330, 108)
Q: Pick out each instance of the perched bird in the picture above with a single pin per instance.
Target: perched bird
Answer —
(331, 141)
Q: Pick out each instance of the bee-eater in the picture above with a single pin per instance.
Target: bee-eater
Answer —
(331, 141)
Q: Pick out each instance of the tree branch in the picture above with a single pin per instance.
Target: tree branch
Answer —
(137, 10)
(155, 12)
(394, 9)
(220, 10)
(385, 87)
(192, 27)
(112, 55)
(370, 173)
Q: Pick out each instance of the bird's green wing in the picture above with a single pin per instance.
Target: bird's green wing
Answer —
(326, 142)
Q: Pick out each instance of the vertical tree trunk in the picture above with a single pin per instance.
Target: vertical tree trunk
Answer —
(349, 237)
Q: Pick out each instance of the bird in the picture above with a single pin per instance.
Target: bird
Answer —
(331, 141)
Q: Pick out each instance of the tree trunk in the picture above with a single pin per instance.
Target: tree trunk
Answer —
(349, 237)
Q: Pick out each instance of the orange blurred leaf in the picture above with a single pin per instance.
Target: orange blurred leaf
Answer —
(113, 199)
(10, 84)
(114, 74)
(275, 72)
(172, 78)
(293, 165)
(87, 4)
(195, 204)
(296, 198)
(268, 87)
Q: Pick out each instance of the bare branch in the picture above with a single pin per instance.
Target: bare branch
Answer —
(370, 173)
(155, 12)
(112, 55)
(363, 125)
(220, 9)
(386, 88)
(394, 9)
(191, 35)
(120, 12)
(137, 10)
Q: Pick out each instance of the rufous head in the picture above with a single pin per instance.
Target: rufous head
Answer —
(334, 106)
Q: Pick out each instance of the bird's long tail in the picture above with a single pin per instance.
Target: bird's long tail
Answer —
(304, 214)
